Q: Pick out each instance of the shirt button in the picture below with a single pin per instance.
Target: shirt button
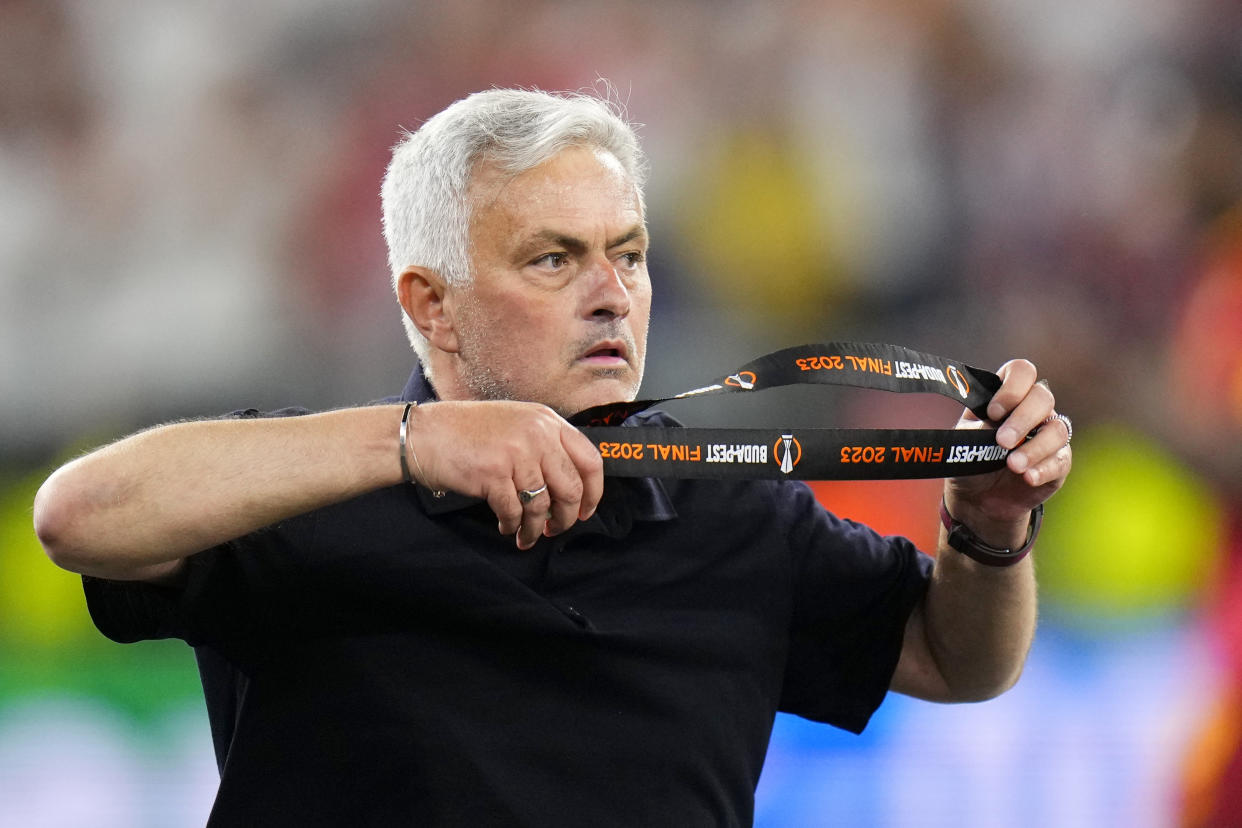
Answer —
(576, 616)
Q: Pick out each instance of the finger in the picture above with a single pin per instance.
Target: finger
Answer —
(1017, 377)
(504, 503)
(565, 489)
(534, 511)
(1039, 446)
(1052, 434)
(590, 467)
(1052, 469)
(1026, 416)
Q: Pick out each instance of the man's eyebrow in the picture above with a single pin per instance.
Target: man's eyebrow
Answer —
(572, 244)
(638, 231)
(576, 245)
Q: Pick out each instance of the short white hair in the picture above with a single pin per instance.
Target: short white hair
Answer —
(425, 194)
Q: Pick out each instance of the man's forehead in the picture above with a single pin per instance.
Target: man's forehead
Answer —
(578, 184)
(566, 170)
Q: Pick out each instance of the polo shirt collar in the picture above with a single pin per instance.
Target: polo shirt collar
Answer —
(646, 497)
(418, 388)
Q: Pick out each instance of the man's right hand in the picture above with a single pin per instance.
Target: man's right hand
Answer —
(495, 450)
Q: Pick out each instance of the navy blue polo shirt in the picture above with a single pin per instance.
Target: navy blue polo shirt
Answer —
(392, 660)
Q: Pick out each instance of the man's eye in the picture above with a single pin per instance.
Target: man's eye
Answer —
(552, 260)
(633, 258)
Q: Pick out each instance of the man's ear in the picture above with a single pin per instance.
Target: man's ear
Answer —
(424, 296)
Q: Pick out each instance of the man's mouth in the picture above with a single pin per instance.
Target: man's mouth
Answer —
(608, 354)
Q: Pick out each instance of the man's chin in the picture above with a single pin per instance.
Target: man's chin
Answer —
(601, 390)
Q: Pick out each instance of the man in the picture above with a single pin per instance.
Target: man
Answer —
(537, 646)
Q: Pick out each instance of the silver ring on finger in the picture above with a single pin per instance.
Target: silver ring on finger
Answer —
(527, 495)
(1069, 426)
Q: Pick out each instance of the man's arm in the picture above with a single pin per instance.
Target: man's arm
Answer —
(134, 510)
(969, 637)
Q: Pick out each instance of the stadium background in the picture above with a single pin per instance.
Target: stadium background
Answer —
(189, 224)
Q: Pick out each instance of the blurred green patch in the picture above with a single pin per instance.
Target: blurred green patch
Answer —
(48, 645)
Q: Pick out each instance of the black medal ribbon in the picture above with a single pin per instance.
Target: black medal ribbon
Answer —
(810, 453)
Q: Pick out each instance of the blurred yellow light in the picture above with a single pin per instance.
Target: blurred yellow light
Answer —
(1133, 534)
(765, 241)
(40, 604)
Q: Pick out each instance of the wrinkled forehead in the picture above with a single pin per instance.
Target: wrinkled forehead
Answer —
(557, 177)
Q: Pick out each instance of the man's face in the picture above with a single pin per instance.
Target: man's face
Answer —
(558, 309)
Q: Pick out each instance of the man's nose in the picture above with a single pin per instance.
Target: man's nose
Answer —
(610, 296)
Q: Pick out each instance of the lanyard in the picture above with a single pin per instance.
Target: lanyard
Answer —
(810, 453)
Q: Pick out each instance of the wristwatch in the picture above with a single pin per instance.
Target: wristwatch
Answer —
(969, 544)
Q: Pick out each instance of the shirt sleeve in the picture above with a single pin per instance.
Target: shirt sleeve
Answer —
(853, 593)
(228, 593)
(220, 596)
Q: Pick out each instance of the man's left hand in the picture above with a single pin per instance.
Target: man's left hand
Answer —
(1039, 460)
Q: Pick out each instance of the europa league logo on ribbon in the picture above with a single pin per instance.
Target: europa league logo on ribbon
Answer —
(787, 451)
(958, 381)
(742, 379)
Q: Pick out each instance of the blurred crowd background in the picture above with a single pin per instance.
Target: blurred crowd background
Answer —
(189, 224)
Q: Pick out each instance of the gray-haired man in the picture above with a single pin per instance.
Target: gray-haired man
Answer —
(535, 647)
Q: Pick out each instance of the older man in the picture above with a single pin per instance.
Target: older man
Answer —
(511, 640)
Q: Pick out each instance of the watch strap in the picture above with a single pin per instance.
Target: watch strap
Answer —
(968, 543)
